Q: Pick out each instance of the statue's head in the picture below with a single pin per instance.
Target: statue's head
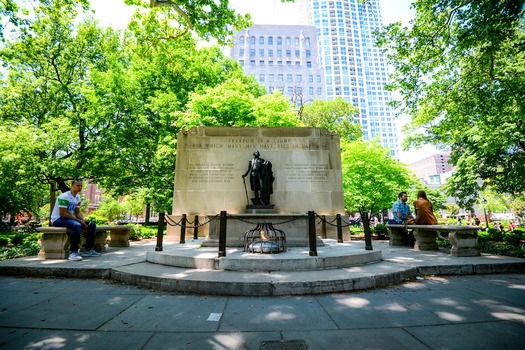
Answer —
(256, 154)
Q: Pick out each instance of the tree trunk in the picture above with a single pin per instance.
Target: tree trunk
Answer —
(365, 217)
(148, 211)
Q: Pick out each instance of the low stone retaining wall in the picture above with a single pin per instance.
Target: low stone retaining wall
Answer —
(55, 240)
(463, 238)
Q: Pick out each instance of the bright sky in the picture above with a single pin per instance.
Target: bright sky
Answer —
(117, 14)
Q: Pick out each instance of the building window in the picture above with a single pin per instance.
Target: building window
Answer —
(279, 53)
(270, 63)
(261, 77)
(307, 42)
(309, 64)
(288, 53)
(261, 40)
(241, 40)
(261, 62)
(288, 41)
(310, 78)
(297, 63)
(279, 63)
(270, 52)
(297, 53)
(290, 90)
(289, 78)
(241, 62)
(241, 52)
(299, 78)
(252, 52)
(279, 40)
(318, 78)
(319, 91)
(296, 41)
(252, 40)
(280, 78)
(252, 62)
(261, 52)
(308, 53)
(310, 91)
(270, 40)
(270, 78)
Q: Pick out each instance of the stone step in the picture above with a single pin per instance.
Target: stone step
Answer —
(258, 283)
(331, 256)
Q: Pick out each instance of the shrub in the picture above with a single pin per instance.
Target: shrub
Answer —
(99, 220)
(149, 231)
(512, 238)
(135, 233)
(495, 234)
(4, 241)
(380, 230)
(26, 249)
(18, 239)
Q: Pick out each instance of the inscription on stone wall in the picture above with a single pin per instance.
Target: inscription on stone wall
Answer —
(211, 173)
(224, 172)
(259, 143)
(306, 172)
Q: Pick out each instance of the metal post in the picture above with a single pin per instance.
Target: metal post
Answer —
(196, 227)
(339, 229)
(323, 226)
(312, 237)
(160, 232)
(183, 229)
(222, 234)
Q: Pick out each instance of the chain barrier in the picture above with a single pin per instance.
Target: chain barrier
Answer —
(347, 223)
(273, 223)
(173, 223)
(331, 223)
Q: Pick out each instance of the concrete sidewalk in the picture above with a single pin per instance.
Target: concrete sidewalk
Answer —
(476, 309)
(460, 312)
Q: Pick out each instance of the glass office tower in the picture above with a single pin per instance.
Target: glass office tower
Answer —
(354, 68)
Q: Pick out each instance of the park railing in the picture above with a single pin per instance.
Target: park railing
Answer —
(185, 224)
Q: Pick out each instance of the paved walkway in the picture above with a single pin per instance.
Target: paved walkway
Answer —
(460, 312)
(483, 311)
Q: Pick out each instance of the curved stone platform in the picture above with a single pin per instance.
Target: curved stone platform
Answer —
(332, 255)
(333, 269)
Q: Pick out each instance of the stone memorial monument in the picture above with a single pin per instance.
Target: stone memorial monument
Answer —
(212, 169)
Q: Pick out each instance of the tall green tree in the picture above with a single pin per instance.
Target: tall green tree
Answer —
(334, 115)
(460, 70)
(371, 180)
(43, 95)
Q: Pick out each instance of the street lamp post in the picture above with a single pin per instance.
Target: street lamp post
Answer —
(484, 201)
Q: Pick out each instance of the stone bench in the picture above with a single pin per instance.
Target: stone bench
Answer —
(463, 238)
(55, 240)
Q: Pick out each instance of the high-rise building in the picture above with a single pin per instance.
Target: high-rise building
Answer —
(431, 169)
(354, 68)
(282, 57)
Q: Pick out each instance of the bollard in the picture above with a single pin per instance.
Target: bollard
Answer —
(311, 234)
(222, 234)
(339, 229)
(323, 226)
(196, 227)
(160, 232)
(183, 229)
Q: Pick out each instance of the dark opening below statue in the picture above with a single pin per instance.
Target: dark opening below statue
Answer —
(261, 180)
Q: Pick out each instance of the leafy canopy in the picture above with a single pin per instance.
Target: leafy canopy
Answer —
(460, 70)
